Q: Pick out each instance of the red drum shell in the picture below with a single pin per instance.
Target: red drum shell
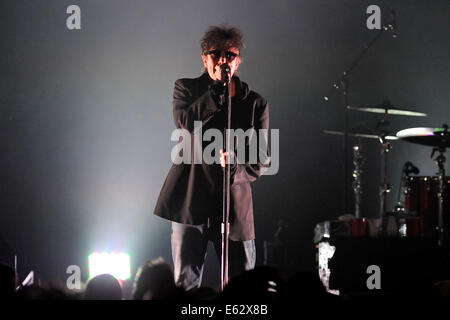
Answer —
(421, 198)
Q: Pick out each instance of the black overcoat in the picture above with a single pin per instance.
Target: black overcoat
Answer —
(192, 193)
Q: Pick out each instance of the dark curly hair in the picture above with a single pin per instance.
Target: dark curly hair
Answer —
(222, 37)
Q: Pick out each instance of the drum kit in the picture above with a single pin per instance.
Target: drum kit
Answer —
(427, 199)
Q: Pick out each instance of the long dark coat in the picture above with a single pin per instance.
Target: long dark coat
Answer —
(192, 193)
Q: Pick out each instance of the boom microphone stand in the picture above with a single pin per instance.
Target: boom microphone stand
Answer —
(342, 84)
(226, 179)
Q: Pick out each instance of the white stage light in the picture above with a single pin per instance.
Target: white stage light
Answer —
(116, 264)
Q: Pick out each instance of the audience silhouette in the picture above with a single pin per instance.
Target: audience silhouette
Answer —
(154, 280)
(103, 287)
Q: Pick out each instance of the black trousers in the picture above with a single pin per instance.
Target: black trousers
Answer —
(189, 247)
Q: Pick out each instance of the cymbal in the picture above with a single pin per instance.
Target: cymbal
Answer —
(387, 108)
(359, 135)
(400, 112)
(435, 137)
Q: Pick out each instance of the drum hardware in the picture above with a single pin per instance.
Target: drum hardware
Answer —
(342, 84)
(384, 188)
(439, 138)
(381, 133)
(405, 188)
(440, 161)
(400, 210)
(400, 214)
(358, 161)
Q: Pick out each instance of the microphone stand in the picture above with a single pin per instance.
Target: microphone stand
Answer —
(225, 229)
(342, 84)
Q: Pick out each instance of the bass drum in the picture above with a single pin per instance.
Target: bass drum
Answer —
(421, 198)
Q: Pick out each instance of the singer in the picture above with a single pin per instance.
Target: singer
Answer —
(191, 196)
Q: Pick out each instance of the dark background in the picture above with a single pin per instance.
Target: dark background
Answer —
(86, 115)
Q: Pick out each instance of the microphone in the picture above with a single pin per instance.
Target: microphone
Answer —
(225, 69)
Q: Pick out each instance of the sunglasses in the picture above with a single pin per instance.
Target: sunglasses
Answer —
(216, 54)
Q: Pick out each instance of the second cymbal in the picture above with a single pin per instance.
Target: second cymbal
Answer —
(359, 135)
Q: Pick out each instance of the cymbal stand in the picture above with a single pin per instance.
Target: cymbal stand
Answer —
(440, 161)
(385, 147)
(358, 161)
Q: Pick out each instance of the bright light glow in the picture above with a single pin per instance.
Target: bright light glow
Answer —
(116, 264)
(413, 132)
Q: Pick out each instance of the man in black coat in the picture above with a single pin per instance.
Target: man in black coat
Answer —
(191, 197)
